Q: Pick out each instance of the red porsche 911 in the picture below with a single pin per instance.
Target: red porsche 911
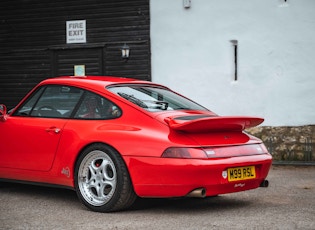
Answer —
(114, 139)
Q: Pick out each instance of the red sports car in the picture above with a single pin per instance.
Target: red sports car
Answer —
(113, 139)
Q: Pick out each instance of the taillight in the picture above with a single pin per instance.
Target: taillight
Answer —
(214, 152)
(236, 151)
(188, 153)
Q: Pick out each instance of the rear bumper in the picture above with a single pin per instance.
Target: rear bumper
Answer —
(165, 177)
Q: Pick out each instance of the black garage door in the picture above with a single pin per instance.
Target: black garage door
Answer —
(65, 60)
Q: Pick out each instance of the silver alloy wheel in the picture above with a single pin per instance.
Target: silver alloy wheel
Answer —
(97, 178)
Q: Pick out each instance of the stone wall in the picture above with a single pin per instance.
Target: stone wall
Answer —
(288, 143)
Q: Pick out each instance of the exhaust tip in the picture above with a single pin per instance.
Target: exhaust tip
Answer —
(199, 193)
(264, 184)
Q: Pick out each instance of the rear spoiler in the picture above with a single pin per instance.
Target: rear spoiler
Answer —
(212, 123)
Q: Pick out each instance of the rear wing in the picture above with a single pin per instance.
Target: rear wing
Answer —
(212, 123)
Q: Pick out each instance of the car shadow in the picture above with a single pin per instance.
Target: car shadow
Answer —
(40, 192)
(60, 195)
(190, 204)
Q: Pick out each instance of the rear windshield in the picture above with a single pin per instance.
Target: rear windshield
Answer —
(154, 99)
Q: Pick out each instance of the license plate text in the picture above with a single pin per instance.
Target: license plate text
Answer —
(241, 173)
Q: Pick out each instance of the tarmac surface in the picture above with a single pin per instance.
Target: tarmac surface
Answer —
(288, 203)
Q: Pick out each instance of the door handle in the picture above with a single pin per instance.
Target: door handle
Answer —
(53, 129)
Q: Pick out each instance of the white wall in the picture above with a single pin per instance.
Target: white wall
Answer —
(192, 54)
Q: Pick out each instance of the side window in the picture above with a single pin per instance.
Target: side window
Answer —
(51, 101)
(57, 101)
(94, 106)
(27, 107)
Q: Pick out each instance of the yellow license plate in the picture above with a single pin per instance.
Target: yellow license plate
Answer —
(241, 173)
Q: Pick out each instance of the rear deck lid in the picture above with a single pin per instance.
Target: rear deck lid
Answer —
(208, 130)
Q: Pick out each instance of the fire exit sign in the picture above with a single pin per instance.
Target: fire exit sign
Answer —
(76, 31)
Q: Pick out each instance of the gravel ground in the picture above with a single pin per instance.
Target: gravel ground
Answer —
(288, 203)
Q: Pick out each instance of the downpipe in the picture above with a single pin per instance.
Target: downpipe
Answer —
(264, 184)
(199, 193)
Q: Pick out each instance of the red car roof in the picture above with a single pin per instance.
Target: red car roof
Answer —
(104, 80)
(94, 81)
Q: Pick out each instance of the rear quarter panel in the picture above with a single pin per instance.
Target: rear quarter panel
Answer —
(133, 134)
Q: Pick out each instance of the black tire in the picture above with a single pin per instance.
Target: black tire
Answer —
(102, 181)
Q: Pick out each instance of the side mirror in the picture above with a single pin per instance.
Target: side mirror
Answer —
(3, 112)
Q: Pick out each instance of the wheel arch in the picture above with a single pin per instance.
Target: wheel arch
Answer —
(75, 162)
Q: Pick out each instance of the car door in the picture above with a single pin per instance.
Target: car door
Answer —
(29, 137)
(29, 143)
